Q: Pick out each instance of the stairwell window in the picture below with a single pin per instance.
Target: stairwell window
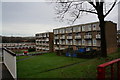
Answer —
(94, 42)
(94, 26)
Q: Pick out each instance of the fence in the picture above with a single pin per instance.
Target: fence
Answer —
(102, 69)
(9, 59)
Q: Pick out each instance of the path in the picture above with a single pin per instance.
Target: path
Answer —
(24, 58)
(63, 67)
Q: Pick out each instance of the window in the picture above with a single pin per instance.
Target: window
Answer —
(62, 30)
(89, 27)
(94, 42)
(83, 42)
(79, 42)
(94, 26)
(55, 31)
(68, 30)
(76, 29)
(74, 41)
(83, 28)
(89, 42)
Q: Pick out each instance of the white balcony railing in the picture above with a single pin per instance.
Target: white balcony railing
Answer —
(98, 36)
(77, 37)
(47, 39)
(62, 31)
(69, 43)
(69, 37)
(87, 36)
(63, 43)
(62, 37)
(56, 48)
(56, 37)
(89, 44)
(46, 48)
(55, 31)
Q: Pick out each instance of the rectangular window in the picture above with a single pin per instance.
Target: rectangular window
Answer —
(83, 28)
(83, 42)
(76, 29)
(68, 30)
(55, 31)
(89, 28)
(94, 27)
(94, 42)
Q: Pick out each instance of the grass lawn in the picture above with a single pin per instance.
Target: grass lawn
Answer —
(31, 68)
(21, 57)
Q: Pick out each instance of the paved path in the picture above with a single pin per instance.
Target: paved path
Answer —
(65, 66)
(24, 58)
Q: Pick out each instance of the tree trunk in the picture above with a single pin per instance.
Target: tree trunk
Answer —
(102, 29)
(103, 38)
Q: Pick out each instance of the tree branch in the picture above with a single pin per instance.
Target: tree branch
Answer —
(92, 4)
(89, 11)
(110, 8)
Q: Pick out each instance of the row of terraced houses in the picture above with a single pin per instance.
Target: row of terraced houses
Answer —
(78, 36)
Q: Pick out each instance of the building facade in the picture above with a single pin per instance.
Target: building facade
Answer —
(85, 36)
(44, 42)
(18, 46)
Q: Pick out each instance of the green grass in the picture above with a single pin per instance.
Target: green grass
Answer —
(32, 67)
(40, 63)
(21, 57)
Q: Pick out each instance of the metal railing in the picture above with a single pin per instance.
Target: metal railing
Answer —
(101, 70)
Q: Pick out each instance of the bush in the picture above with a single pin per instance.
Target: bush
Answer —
(31, 49)
(89, 54)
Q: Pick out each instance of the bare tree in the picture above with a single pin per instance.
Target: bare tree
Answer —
(76, 8)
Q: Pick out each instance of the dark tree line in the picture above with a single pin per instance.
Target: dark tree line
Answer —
(17, 39)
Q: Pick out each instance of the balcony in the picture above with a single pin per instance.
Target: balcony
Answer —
(68, 30)
(97, 44)
(56, 48)
(69, 37)
(88, 37)
(77, 29)
(63, 43)
(77, 43)
(89, 44)
(46, 48)
(55, 31)
(43, 48)
(89, 29)
(62, 48)
(62, 31)
(47, 35)
(56, 37)
(47, 39)
(62, 37)
(83, 44)
(98, 36)
(77, 37)
(69, 44)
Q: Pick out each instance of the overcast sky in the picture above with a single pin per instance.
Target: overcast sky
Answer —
(29, 18)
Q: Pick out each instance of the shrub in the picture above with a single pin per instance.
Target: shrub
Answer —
(31, 49)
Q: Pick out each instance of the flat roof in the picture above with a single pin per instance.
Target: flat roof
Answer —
(44, 32)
